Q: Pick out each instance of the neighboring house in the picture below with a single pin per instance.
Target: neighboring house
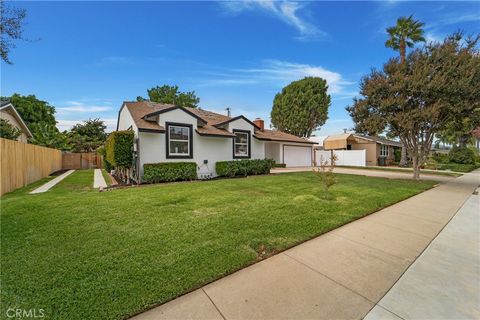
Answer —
(318, 140)
(375, 147)
(169, 133)
(9, 113)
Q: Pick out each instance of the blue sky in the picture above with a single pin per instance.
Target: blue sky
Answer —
(91, 56)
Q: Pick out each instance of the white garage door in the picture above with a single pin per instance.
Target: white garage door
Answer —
(297, 156)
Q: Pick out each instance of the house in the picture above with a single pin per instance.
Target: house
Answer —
(169, 133)
(379, 151)
(9, 113)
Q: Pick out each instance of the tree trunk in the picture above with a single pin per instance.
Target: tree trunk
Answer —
(463, 140)
(416, 167)
(404, 158)
(403, 52)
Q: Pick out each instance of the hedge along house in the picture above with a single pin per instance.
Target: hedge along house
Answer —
(169, 133)
(379, 151)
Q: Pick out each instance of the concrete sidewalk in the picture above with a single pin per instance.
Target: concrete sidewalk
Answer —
(371, 173)
(444, 282)
(339, 275)
(50, 184)
(98, 180)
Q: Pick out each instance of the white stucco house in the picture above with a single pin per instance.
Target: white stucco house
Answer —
(168, 133)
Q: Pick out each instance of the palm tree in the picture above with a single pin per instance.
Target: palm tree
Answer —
(404, 34)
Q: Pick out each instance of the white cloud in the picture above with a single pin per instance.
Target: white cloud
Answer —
(286, 11)
(284, 72)
(68, 124)
(82, 107)
(432, 37)
(278, 73)
(434, 30)
(455, 18)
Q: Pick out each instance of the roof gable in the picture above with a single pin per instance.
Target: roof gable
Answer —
(7, 106)
(223, 123)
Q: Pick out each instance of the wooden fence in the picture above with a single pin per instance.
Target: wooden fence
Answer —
(81, 160)
(23, 163)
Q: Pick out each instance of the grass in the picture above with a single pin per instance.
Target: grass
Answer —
(395, 169)
(107, 178)
(84, 254)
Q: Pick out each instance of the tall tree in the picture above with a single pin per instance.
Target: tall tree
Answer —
(171, 95)
(405, 33)
(87, 136)
(33, 110)
(48, 135)
(12, 21)
(301, 107)
(418, 98)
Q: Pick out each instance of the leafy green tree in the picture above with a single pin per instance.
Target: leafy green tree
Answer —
(418, 98)
(171, 95)
(404, 34)
(458, 131)
(9, 131)
(48, 135)
(87, 136)
(301, 107)
(12, 21)
(33, 110)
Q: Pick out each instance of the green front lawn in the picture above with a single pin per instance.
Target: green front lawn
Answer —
(84, 254)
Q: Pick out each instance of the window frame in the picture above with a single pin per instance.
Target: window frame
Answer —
(167, 140)
(384, 150)
(249, 139)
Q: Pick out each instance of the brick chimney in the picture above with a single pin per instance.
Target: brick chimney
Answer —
(259, 123)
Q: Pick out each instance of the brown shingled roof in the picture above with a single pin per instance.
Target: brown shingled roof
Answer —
(140, 109)
(272, 135)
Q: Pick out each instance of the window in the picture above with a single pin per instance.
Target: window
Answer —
(383, 150)
(241, 144)
(179, 140)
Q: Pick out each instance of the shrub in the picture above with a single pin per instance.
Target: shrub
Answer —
(9, 131)
(279, 165)
(106, 165)
(119, 148)
(243, 167)
(458, 167)
(461, 155)
(119, 153)
(169, 171)
(440, 157)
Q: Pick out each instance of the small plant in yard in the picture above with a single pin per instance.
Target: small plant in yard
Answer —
(324, 172)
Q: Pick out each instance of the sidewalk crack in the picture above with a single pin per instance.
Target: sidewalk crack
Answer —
(216, 307)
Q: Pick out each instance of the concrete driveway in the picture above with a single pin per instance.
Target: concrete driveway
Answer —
(371, 173)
